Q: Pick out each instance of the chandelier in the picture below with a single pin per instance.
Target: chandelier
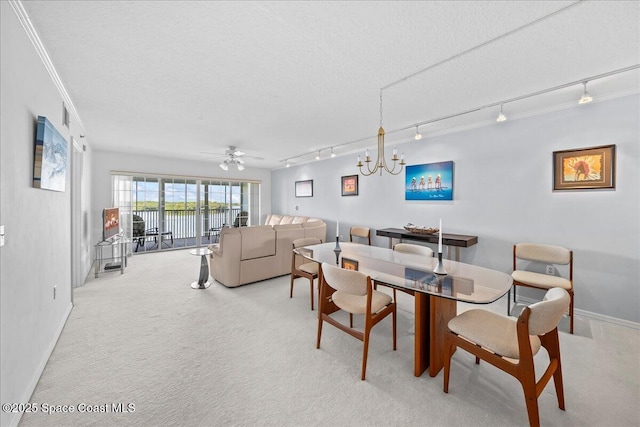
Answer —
(381, 162)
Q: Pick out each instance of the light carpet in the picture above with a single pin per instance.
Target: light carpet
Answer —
(247, 356)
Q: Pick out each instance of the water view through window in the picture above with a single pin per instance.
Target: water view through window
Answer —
(173, 213)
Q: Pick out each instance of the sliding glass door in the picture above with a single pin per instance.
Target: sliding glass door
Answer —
(182, 212)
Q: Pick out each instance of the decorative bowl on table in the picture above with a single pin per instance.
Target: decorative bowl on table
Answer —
(420, 230)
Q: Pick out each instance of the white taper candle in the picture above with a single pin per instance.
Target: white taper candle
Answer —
(440, 238)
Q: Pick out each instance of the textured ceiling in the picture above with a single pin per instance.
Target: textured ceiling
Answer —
(281, 79)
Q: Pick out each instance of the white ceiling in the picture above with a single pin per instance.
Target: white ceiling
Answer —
(281, 79)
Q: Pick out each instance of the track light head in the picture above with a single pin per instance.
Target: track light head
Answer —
(332, 153)
(418, 135)
(585, 98)
(501, 117)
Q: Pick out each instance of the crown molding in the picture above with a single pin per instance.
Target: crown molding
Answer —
(21, 12)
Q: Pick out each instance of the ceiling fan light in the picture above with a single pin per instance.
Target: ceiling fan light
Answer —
(224, 166)
(240, 166)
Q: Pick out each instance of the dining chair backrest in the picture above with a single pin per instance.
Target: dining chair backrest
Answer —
(349, 281)
(546, 314)
(360, 232)
(543, 253)
(306, 241)
(413, 249)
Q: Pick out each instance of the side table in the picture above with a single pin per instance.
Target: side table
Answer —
(203, 281)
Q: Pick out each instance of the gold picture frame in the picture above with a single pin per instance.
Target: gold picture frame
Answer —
(585, 168)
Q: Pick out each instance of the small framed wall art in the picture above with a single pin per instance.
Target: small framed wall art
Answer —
(584, 168)
(304, 188)
(350, 185)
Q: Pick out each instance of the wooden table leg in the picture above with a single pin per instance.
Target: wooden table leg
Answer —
(441, 311)
(421, 346)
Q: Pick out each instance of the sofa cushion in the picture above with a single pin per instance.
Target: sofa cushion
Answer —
(300, 219)
(273, 219)
(258, 241)
(287, 219)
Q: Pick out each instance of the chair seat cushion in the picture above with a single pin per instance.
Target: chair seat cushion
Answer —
(311, 268)
(539, 280)
(357, 304)
(491, 331)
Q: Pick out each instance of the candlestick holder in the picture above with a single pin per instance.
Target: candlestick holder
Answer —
(337, 249)
(440, 267)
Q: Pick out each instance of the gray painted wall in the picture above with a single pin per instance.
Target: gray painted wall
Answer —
(37, 254)
(105, 162)
(503, 194)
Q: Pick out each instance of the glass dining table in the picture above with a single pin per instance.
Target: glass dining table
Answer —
(435, 295)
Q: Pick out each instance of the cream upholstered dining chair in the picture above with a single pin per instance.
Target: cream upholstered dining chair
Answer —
(548, 254)
(510, 344)
(352, 291)
(413, 249)
(301, 268)
(408, 248)
(360, 232)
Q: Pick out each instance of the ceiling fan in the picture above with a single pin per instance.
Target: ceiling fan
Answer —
(234, 158)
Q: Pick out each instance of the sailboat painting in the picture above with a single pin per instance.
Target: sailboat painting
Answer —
(50, 157)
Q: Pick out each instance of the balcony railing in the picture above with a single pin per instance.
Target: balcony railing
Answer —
(182, 223)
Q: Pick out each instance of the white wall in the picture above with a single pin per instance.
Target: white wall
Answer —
(503, 194)
(37, 254)
(105, 162)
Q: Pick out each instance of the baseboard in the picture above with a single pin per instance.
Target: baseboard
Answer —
(13, 422)
(592, 315)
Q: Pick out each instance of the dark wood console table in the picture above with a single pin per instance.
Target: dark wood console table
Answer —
(450, 240)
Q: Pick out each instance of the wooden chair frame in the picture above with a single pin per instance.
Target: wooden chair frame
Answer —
(517, 283)
(523, 370)
(295, 273)
(326, 306)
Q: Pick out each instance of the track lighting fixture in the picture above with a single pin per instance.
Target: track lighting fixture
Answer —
(332, 153)
(501, 116)
(418, 134)
(585, 98)
(380, 161)
(318, 155)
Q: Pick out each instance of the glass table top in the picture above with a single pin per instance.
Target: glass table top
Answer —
(463, 282)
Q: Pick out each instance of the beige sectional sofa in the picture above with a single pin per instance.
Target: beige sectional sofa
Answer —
(250, 254)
